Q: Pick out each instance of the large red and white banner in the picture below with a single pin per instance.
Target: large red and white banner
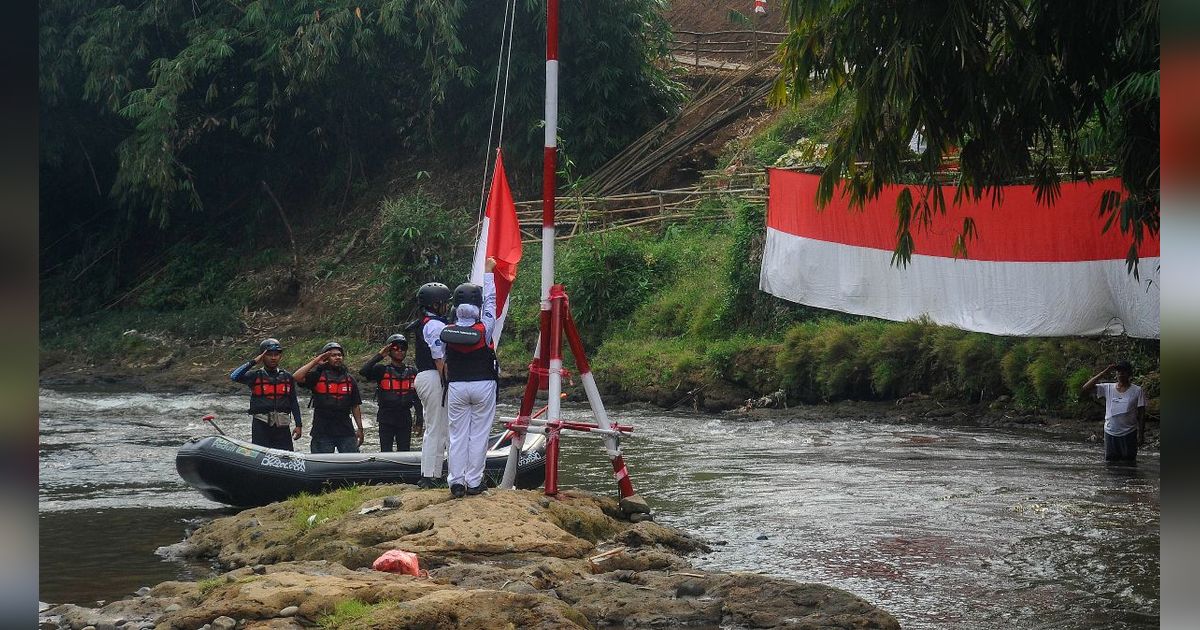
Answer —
(499, 238)
(1031, 270)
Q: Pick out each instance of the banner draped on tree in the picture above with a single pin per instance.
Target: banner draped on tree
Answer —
(499, 238)
(1031, 270)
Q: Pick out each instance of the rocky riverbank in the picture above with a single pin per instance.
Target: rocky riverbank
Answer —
(501, 559)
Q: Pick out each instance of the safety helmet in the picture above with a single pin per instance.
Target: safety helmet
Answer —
(270, 344)
(398, 339)
(332, 345)
(468, 293)
(432, 293)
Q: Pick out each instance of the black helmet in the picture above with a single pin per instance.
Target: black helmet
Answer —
(332, 345)
(270, 344)
(468, 293)
(433, 293)
(398, 339)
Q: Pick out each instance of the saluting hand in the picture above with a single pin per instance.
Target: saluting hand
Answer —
(383, 352)
(259, 359)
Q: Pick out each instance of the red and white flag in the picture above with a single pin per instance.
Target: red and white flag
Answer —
(500, 238)
(1031, 270)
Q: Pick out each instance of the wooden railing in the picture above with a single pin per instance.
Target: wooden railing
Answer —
(745, 44)
(578, 214)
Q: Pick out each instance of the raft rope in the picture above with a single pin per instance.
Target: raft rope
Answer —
(504, 60)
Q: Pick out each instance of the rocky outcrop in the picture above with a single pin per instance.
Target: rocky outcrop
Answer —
(501, 559)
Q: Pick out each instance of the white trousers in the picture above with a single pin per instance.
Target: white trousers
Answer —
(433, 446)
(472, 408)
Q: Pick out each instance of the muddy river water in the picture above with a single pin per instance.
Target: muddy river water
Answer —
(944, 527)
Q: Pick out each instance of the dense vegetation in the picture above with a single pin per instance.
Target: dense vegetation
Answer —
(176, 134)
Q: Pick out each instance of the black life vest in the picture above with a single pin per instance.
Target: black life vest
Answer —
(271, 392)
(395, 387)
(424, 357)
(468, 356)
(332, 391)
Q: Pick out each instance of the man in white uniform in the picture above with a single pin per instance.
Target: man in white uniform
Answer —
(1124, 413)
(433, 298)
(471, 374)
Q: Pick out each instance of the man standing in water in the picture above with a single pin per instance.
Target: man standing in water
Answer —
(335, 399)
(394, 392)
(273, 403)
(430, 382)
(1124, 413)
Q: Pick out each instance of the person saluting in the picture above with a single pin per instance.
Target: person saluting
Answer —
(273, 402)
(335, 398)
(395, 394)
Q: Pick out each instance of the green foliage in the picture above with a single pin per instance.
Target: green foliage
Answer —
(137, 334)
(744, 306)
(207, 585)
(1024, 88)
(815, 119)
(608, 276)
(184, 115)
(828, 359)
(1046, 377)
(423, 242)
(192, 275)
(328, 505)
(347, 612)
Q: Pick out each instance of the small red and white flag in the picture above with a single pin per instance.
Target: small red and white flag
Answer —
(499, 238)
(1031, 270)
(760, 7)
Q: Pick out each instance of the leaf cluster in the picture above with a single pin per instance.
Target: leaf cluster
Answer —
(1025, 90)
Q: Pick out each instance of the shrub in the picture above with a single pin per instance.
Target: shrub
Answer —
(1045, 376)
(977, 358)
(422, 242)
(608, 276)
(897, 365)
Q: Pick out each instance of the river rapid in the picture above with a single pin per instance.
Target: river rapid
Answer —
(944, 527)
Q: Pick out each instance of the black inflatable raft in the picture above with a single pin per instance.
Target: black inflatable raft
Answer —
(232, 471)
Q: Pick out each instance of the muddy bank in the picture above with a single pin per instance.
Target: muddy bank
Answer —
(504, 558)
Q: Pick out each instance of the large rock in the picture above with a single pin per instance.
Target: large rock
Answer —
(504, 559)
(428, 522)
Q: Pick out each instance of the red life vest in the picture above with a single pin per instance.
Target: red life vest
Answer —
(271, 392)
(395, 387)
(332, 392)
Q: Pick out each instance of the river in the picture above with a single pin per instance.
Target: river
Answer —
(956, 527)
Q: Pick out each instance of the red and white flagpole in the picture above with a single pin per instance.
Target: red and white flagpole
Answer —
(549, 185)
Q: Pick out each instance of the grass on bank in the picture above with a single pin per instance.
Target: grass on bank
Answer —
(329, 505)
(347, 612)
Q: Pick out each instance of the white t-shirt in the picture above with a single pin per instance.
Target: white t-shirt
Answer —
(1120, 408)
(433, 338)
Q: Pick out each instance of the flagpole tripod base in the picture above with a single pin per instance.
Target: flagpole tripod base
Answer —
(545, 372)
